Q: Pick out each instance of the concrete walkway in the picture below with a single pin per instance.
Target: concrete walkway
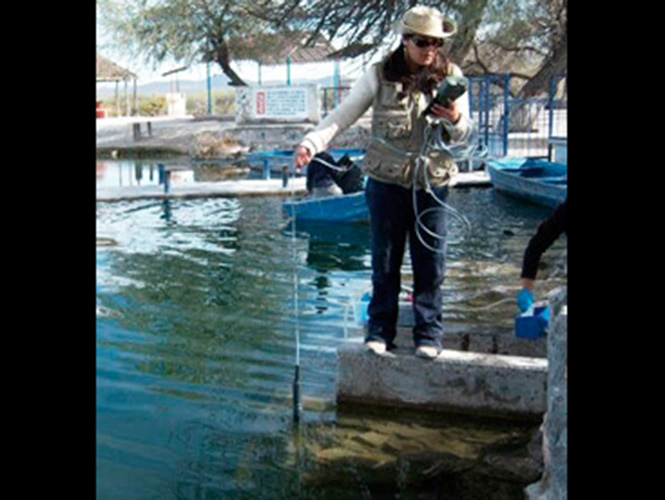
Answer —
(234, 188)
(231, 188)
(180, 134)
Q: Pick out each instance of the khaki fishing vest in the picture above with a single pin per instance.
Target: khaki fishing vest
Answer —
(397, 138)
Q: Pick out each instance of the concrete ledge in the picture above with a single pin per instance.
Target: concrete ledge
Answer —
(461, 382)
(229, 189)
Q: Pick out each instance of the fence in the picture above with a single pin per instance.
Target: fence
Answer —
(507, 126)
(510, 126)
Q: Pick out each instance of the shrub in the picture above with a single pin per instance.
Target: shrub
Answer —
(153, 105)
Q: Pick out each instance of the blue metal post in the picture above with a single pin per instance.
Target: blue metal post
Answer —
(164, 177)
(481, 125)
(266, 169)
(506, 104)
(551, 116)
(482, 106)
(285, 176)
(209, 88)
(288, 70)
(471, 82)
(486, 104)
(551, 104)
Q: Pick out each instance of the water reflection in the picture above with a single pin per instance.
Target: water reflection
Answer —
(196, 347)
(334, 246)
(112, 173)
(121, 173)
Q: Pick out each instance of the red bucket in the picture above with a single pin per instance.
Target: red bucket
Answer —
(101, 113)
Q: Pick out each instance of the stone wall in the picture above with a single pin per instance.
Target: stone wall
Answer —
(554, 483)
(270, 137)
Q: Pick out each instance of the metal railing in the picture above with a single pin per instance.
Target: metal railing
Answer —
(510, 126)
(507, 126)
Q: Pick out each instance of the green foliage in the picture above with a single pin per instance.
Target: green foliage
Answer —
(152, 105)
(223, 103)
(187, 31)
(533, 25)
(493, 35)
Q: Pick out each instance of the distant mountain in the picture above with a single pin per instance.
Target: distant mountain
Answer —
(191, 86)
(160, 88)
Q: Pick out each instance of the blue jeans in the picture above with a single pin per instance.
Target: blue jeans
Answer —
(392, 218)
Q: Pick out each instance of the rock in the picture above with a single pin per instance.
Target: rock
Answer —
(516, 458)
(554, 483)
(207, 145)
(374, 439)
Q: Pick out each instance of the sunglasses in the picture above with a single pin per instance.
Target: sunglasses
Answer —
(426, 42)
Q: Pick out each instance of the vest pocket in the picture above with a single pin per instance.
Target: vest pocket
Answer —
(392, 124)
(397, 130)
(440, 169)
(391, 96)
(382, 163)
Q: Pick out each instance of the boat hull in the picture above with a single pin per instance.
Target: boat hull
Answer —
(345, 208)
(531, 179)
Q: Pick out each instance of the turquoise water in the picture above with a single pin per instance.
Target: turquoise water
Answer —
(196, 342)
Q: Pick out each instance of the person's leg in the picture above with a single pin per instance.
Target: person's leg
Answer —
(388, 225)
(428, 269)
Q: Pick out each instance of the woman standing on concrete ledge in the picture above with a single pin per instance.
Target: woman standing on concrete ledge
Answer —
(399, 89)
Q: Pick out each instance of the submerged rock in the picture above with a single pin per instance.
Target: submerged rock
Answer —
(440, 453)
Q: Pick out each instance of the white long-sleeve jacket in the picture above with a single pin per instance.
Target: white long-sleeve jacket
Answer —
(358, 101)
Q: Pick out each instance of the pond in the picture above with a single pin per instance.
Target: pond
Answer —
(196, 350)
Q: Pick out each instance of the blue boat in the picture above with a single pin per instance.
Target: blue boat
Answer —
(342, 208)
(532, 179)
(274, 161)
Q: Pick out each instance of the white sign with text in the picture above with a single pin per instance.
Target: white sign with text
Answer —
(283, 103)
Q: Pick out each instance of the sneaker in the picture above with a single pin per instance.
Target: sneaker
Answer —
(375, 346)
(427, 352)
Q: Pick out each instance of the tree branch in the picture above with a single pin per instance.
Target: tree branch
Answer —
(515, 48)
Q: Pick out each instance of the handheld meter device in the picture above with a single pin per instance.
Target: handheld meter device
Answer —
(450, 88)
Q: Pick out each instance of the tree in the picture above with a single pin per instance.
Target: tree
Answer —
(364, 26)
(554, 24)
(471, 14)
(525, 37)
(186, 30)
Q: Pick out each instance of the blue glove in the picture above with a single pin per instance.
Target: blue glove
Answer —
(524, 299)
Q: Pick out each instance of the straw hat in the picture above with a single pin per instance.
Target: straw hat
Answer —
(426, 21)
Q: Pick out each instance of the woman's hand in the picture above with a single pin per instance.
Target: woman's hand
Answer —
(449, 111)
(524, 299)
(302, 157)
